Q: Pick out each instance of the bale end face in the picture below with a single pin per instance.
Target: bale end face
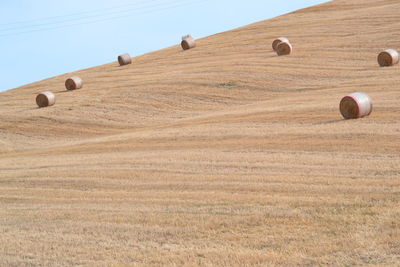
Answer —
(277, 41)
(73, 83)
(124, 59)
(188, 44)
(45, 99)
(349, 108)
(388, 58)
(284, 49)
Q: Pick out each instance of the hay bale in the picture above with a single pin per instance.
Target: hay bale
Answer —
(284, 49)
(45, 99)
(188, 42)
(277, 41)
(355, 105)
(124, 59)
(388, 58)
(73, 83)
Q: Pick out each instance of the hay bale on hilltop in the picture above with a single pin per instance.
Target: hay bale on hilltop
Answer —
(284, 49)
(388, 58)
(356, 105)
(277, 41)
(73, 83)
(45, 99)
(188, 42)
(124, 59)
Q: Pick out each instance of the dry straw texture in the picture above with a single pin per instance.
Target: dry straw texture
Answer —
(388, 58)
(45, 99)
(277, 41)
(124, 59)
(161, 165)
(73, 83)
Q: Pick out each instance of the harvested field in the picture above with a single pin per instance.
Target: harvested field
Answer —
(221, 155)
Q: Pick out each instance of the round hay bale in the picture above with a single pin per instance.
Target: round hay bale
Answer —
(45, 99)
(284, 49)
(188, 43)
(277, 41)
(355, 105)
(388, 58)
(73, 83)
(124, 59)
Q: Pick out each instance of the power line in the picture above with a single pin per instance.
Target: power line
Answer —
(75, 14)
(87, 17)
(106, 19)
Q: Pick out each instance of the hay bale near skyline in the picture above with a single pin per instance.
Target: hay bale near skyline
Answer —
(355, 105)
(45, 99)
(388, 58)
(188, 42)
(124, 59)
(73, 83)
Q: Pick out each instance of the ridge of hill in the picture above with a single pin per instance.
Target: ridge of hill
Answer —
(220, 155)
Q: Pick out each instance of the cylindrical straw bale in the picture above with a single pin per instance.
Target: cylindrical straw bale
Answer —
(45, 99)
(277, 41)
(388, 58)
(124, 59)
(355, 105)
(284, 49)
(188, 43)
(73, 83)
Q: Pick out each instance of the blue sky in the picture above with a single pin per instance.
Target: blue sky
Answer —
(43, 38)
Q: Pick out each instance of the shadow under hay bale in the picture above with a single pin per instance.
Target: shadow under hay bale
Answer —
(45, 99)
(388, 58)
(73, 83)
(124, 59)
(356, 105)
(327, 122)
(188, 42)
(277, 41)
(284, 49)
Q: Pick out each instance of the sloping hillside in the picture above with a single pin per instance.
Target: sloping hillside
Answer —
(224, 154)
